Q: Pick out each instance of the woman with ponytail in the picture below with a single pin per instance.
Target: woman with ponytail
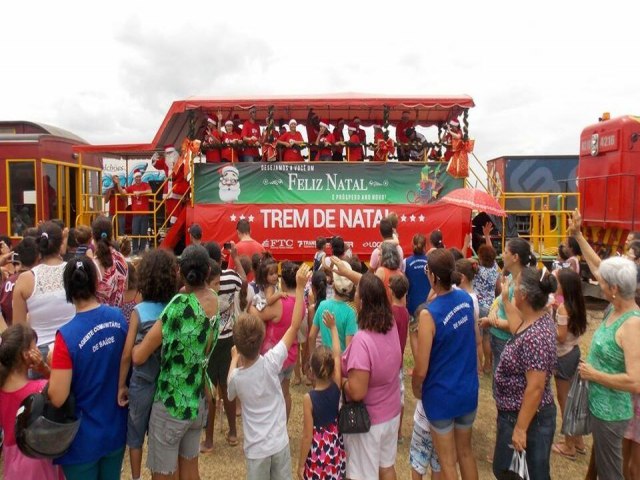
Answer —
(517, 256)
(85, 362)
(526, 409)
(187, 331)
(112, 267)
(445, 377)
(40, 291)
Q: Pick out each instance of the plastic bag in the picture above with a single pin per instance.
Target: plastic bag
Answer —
(518, 469)
(577, 418)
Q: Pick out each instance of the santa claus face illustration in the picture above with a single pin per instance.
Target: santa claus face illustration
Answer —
(229, 184)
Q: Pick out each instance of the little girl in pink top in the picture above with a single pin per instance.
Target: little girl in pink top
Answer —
(18, 353)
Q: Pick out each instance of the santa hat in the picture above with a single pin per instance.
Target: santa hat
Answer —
(212, 120)
(229, 169)
(324, 123)
(137, 173)
(454, 123)
(228, 122)
(169, 148)
(293, 121)
(352, 128)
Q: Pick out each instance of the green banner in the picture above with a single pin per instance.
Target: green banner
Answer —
(322, 183)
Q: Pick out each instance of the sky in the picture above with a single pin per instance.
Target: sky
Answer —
(539, 72)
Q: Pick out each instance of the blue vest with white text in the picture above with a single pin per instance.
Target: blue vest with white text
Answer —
(95, 340)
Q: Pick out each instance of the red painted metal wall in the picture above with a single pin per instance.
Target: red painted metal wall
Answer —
(609, 174)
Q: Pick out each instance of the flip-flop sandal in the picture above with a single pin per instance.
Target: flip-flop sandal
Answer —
(556, 449)
(204, 449)
(233, 442)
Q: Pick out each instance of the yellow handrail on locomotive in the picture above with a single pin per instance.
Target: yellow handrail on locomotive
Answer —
(544, 236)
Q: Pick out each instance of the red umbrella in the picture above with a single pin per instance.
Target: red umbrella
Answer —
(475, 200)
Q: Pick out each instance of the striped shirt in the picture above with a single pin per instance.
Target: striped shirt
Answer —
(230, 283)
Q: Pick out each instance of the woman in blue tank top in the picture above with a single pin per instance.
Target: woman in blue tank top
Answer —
(445, 376)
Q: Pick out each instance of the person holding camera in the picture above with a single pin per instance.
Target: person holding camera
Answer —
(24, 258)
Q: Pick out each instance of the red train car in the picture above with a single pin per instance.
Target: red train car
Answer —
(609, 180)
(42, 177)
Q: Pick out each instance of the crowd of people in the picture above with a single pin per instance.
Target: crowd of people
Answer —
(230, 141)
(148, 345)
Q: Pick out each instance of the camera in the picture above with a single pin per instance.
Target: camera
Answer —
(227, 245)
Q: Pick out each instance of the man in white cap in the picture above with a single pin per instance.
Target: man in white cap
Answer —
(293, 142)
(251, 137)
(325, 142)
(139, 192)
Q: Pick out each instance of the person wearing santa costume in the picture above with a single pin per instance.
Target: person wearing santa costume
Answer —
(401, 136)
(139, 192)
(251, 136)
(293, 142)
(269, 142)
(362, 135)
(354, 150)
(324, 142)
(313, 130)
(229, 139)
(383, 146)
(212, 140)
(338, 135)
(453, 132)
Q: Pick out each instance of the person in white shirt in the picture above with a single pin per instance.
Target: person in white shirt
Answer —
(253, 378)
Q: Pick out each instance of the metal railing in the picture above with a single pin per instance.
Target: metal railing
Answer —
(548, 224)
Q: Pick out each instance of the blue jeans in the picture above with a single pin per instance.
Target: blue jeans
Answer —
(139, 226)
(105, 468)
(539, 441)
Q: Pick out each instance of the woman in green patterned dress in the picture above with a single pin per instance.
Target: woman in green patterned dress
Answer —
(613, 365)
(187, 332)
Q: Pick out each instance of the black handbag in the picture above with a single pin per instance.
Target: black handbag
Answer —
(353, 417)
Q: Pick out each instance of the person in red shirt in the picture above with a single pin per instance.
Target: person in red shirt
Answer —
(401, 136)
(354, 150)
(383, 146)
(338, 136)
(229, 140)
(324, 141)
(292, 141)
(251, 136)
(116, 196)
(212, 140)
(453, 132)
(139, 191)
(313, 130)
(246, 245)
(362, 135)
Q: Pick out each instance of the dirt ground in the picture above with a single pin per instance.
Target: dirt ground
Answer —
(228, 462)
